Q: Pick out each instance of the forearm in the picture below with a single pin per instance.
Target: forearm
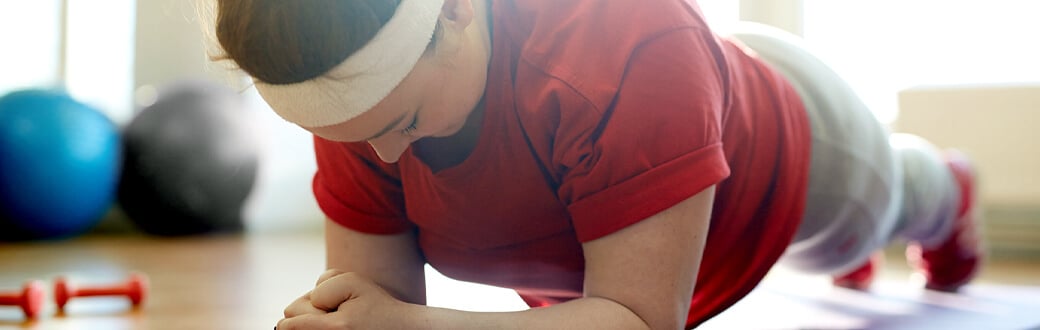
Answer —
(392, 261)
(584, 313)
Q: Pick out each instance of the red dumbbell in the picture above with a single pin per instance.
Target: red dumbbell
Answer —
(30, 299)
(135, 288)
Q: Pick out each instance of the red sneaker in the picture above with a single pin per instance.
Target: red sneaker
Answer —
(861, 278)
(955, 262)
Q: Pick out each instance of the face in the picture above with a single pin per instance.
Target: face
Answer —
(434, 100)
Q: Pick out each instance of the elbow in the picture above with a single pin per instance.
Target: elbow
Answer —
(656, 320)
(668, 318)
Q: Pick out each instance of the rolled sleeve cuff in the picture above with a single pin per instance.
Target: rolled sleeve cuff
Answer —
(345, 216)
(648, 193)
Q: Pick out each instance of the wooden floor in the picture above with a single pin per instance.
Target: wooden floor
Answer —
(244, 282)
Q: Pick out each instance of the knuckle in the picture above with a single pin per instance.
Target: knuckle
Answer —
(294, 308)
(327, 274)
(351, 277)
(283, 325)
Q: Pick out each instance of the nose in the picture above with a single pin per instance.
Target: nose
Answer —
(390, 148)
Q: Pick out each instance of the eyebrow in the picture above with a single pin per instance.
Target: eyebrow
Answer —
(389, 127)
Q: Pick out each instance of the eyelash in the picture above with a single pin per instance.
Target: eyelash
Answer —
(411, 127)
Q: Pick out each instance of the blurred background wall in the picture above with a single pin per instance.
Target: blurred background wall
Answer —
(977, 56)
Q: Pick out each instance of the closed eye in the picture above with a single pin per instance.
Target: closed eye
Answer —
(412, 126)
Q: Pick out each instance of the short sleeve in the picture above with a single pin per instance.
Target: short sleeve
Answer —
(357, 191)
(657, 144)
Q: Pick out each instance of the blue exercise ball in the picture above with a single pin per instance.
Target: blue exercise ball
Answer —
(59, 165)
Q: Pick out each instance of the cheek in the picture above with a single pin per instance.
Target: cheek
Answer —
(445, 105)
(446, 119)
(450, 101)
(442, 120)
(468, 90)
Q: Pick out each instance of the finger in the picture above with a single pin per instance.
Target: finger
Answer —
(330, 273)
(307, 321)
(331, 293)
(302, 306)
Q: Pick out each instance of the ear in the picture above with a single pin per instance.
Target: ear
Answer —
(456, 15)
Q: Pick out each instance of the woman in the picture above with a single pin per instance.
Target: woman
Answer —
(608, 160)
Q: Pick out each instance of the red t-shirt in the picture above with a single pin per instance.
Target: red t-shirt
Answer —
(598, 115)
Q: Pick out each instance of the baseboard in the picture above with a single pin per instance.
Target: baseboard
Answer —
(1012, 231)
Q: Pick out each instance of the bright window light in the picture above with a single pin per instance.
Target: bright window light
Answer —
(884, 46)
(31, 42)
(100, 59)
(720, 12)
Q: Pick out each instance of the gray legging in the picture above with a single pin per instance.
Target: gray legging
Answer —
(863, 191)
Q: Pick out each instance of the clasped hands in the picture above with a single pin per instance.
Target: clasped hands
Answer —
(342, 300)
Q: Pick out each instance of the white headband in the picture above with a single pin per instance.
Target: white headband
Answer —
(365, 77)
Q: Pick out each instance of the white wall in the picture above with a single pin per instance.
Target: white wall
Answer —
(784, 14)
(995, 124)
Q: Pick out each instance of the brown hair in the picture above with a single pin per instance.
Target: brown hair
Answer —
(289, 41)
